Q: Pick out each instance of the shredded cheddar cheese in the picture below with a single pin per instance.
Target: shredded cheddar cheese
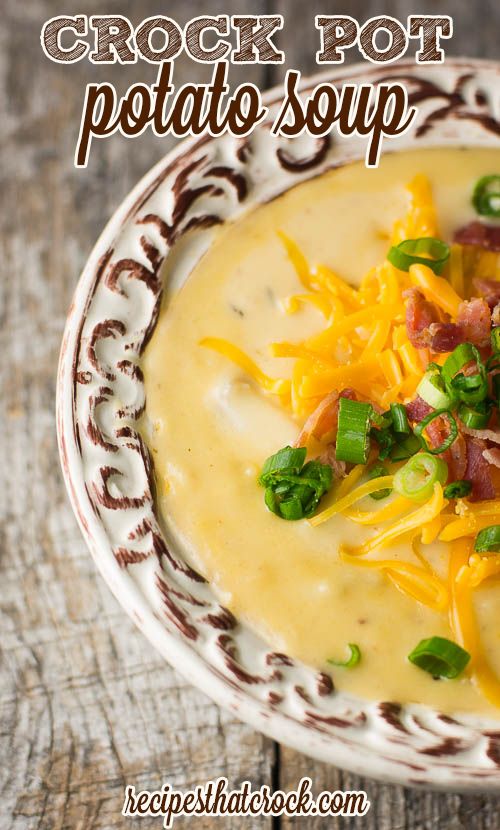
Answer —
(364, 343)
(276, 387)
(383, 514)
(464, 623)
(355, 495)
(418, 583)
(435, 288)
(402, 526)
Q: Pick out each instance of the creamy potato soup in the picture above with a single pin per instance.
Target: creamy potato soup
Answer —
(321, 583)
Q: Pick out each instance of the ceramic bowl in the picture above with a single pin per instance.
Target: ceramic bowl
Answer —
(165, 225)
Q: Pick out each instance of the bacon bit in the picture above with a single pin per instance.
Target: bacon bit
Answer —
(418, 409)
(492, 456)
(482, 236)
(420, 315)
(456, 458)
(482, 434)
(444, 337)
(489, 289)
(474, 321)
(478, 471)
(328, 457)
(323, 421)
(456, 455)
(426, 328)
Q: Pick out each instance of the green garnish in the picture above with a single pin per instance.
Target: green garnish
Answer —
(406, 448)
(488, 539)
(294, 489)
(377, 471)
(400, 419)
(496, 389)
(432, 388)
(440, 657)
(477, 416)
(352, 660)
(457, 489)
(353, 432)
(455, 361)
(420, 428)
(417, 478)
(385, 440)
(470, 389)
(495, 340)
(381, 421)
(486, 196)
(289, 460)
(412, 251)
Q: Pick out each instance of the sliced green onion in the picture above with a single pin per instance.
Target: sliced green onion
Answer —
(432, 390)
(381, 421)
(385, 440)
(488, 539)
(377, 471)
(496, 388)
(287, 460)
(420, 428)
(470, 389)
(294, 491)
(475, 417)
(459, 358)
(406, 448)
(352, 660)
(440, 657)
(412, 251)
(493, 363)
(400, 419)
(417, 478)
(495, 340)
(291, 509)
(353, 433)
(457, 489)
(486, 196)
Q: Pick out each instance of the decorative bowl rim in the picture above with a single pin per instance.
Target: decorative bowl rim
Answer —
(411, 744)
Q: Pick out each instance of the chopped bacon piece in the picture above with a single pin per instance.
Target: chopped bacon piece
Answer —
(420, 315)
(444, 337)
(323, 421)
(417, 409)
(489, 289)
(482, 434)
(492, 455)
(328, 457)
(474, 320)
(456, 455)
(478, 471)
(483, 236)
(456, 458)
(426, 328)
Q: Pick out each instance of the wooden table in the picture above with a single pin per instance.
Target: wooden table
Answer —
(86, 703)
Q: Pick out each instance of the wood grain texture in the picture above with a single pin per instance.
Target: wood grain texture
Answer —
(86, 705)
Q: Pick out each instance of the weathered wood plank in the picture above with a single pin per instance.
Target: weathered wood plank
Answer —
(391, 807)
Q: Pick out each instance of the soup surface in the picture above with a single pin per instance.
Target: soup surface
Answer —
(210, 429)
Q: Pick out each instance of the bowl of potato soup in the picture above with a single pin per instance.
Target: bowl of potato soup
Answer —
(278, 419)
